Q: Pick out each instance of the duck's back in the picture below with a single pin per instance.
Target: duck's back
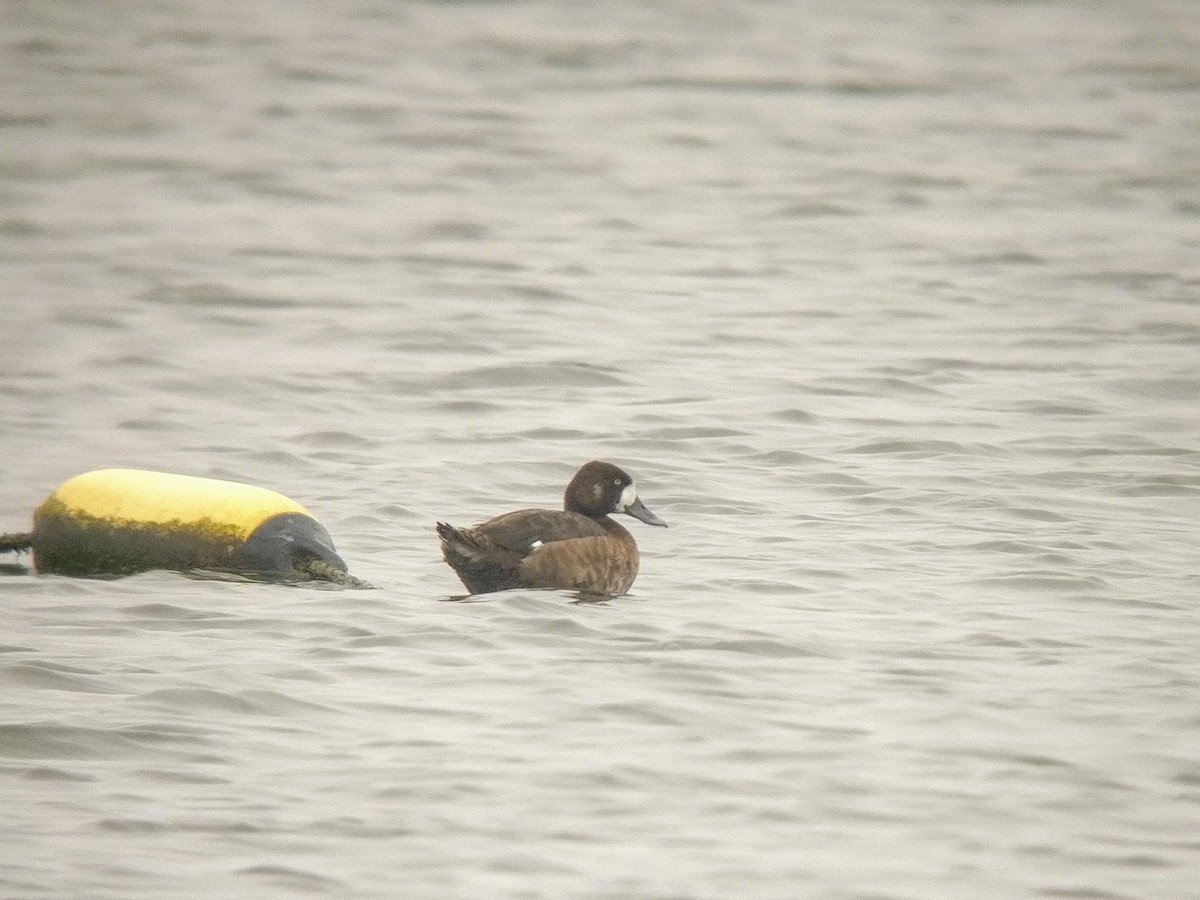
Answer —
(522, 531)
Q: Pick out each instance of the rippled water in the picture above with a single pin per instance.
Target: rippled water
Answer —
(893, 310)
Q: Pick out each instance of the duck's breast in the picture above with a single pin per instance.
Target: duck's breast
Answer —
(599, 564)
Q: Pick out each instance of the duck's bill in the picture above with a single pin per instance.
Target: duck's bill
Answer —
(638, 510)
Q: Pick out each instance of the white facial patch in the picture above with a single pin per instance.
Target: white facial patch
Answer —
(628, 496)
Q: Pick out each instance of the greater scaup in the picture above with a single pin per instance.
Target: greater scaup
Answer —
(576, 548)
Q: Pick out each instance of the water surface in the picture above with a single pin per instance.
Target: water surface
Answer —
(892, 311)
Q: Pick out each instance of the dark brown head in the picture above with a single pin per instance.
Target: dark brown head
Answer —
(600, 488)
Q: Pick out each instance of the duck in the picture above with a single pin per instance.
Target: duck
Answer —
(576, 548)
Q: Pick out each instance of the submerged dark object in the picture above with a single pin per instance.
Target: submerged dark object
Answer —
(121, 521)
(577, 548)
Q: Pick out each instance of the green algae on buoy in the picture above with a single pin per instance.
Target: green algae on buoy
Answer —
(120, 521)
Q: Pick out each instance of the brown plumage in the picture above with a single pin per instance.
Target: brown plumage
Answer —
(577, 548)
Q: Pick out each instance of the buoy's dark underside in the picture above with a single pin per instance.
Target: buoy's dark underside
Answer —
(70, 543)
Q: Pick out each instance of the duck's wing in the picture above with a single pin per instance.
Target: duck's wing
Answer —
(525, 530)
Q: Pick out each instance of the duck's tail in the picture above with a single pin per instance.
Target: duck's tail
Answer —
(475, 564)
(457, 543)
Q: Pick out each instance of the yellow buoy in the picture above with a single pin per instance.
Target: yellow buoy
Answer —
(121, 521)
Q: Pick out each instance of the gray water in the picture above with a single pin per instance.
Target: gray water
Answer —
(892, 309)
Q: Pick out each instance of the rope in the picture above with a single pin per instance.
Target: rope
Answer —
(323, 571)
(15, 543)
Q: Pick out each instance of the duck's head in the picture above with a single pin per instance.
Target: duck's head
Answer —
(600, 489)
